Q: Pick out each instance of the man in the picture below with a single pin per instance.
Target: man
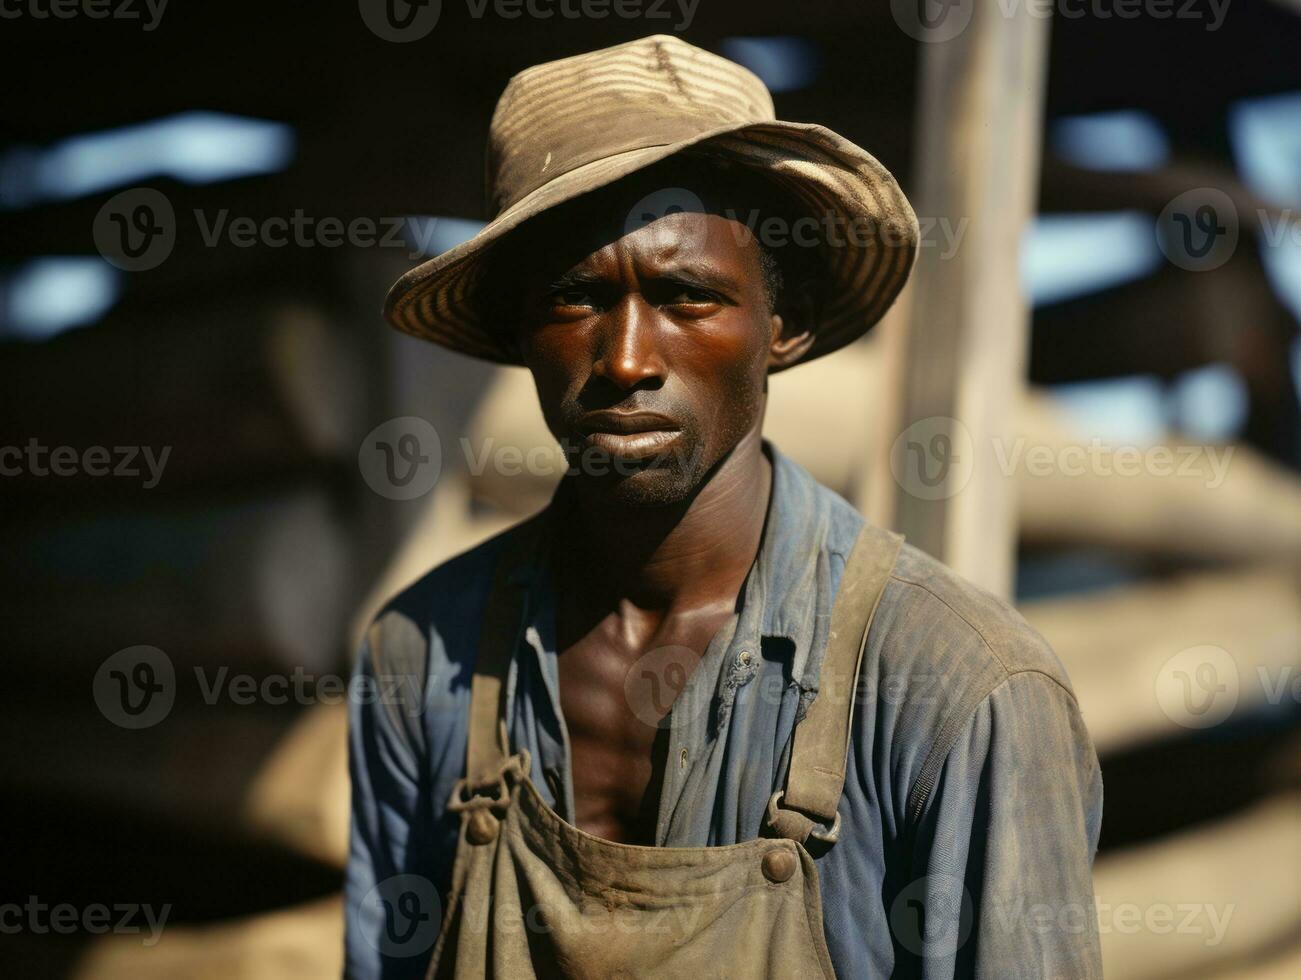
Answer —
(696, 718)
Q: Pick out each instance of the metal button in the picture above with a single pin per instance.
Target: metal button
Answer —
(745, 658)
(778, 865)
(483, 827)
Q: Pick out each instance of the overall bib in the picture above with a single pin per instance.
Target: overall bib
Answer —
(535, 897)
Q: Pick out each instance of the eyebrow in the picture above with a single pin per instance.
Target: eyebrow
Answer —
(705, 276)
(690, 275)
(574, 277)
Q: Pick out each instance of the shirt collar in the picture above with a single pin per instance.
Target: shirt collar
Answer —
(788, 591)
(787, 596)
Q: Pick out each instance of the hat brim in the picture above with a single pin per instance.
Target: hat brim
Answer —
(869, 258)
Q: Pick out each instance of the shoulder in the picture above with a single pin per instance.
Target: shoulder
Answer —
(941, 651)
(934, 620)
(432, 626)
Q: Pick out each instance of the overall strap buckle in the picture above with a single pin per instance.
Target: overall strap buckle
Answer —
(796, 826)
(491, 794)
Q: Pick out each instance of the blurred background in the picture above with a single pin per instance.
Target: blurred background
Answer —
(218, 460)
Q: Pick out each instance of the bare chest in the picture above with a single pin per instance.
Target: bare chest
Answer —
(616, 698)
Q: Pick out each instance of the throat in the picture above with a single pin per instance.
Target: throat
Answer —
(670, 558)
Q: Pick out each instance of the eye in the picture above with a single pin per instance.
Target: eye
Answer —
(691, 296)
(573, 296)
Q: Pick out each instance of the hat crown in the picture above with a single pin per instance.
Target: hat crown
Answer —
(556, 117)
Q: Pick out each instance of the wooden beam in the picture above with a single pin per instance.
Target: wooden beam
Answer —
(961, 365)
(1212, 896)
(1129, 651)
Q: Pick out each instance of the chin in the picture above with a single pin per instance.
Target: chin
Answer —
(659, 482)
(652, 488)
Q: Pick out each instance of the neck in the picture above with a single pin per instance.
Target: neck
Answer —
(680, 555)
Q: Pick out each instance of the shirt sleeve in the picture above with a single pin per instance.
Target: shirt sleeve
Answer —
(1001, 883)
(390, 889)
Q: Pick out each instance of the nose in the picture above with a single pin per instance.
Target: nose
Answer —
(630, 356)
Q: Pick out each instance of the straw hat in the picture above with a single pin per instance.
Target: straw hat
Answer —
(568, 127)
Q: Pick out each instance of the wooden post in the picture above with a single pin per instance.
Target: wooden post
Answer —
(957, 364)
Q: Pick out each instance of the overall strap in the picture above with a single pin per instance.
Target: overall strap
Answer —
(487, 745)
(816, 776)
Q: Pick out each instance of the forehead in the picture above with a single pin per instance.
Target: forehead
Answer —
(678, 240)
(663, 215)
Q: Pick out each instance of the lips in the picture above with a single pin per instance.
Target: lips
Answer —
(625, 423)
(629, 435)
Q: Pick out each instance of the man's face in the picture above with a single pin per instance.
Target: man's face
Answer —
(650, 351)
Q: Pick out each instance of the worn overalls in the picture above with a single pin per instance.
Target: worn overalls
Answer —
(534, 896)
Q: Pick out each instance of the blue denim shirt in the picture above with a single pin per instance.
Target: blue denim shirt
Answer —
(972, 798)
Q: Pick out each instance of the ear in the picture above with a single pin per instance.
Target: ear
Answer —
(792, 329)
